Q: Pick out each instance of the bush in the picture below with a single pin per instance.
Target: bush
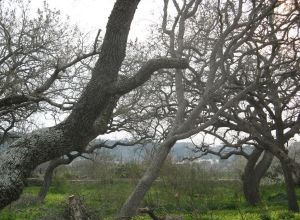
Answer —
(129, 170)
(68, 175)
(59, 185)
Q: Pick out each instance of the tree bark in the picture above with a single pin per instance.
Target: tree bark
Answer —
(78, 129)
(290, 188)
(48, 176)
(131, 205)
(76, 209)
(250, 180)
(289, 167)
(90, 114)
(296, 178)
(253, 174)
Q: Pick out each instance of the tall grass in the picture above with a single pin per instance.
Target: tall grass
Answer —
(187, 190)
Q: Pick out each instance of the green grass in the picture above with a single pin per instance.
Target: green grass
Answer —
(203, 201)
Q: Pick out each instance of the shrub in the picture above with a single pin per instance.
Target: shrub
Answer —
(129, 170)
(59, 185)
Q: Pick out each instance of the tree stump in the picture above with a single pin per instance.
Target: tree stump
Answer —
(76, 209)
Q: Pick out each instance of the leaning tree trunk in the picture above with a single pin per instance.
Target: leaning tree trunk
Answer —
(253, 174)
(250, 181)
(49, 174)
(90, 115)
(251, 188)
(290, 188)
(131, 205)
(79, 128)
(288, 167)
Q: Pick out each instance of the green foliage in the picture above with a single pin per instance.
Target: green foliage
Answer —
(265, 216)
(185, 190)
(104, 200)
(129, 170)
(279, 198)
(68, 175)
(60, 185)
(286, 216)
(25, 201)
(8, 216)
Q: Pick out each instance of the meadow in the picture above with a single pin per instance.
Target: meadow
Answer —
(185, 192)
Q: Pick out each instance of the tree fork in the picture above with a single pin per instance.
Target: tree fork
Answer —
(90, 114)
(78, 129)
(253, 174)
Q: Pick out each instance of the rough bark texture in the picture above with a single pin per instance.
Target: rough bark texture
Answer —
(130, 206)
(90, 114)
(250, 181)
(23, 156)
(290, 188)
(289, 167)
(253, 174)
(78, 129)
(76, 209)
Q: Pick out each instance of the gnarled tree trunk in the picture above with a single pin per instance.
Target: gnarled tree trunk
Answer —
(78, 129)
(289, 166)
(290, 188)
(253, 174)
(90, 115)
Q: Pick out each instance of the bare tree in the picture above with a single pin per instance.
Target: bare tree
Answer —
(67, 159)
(41, 64)
(271, 128)
(258, 161)
(90, 114)
(269, 116)
(217, 47)
(125, 117)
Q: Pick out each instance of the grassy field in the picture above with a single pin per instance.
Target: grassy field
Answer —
(207, 200)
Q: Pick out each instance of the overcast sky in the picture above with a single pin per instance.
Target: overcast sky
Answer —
(90, 15)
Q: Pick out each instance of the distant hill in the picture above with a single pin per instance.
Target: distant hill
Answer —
(138, 153)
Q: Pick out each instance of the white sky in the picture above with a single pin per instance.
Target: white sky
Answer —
(91, 15)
